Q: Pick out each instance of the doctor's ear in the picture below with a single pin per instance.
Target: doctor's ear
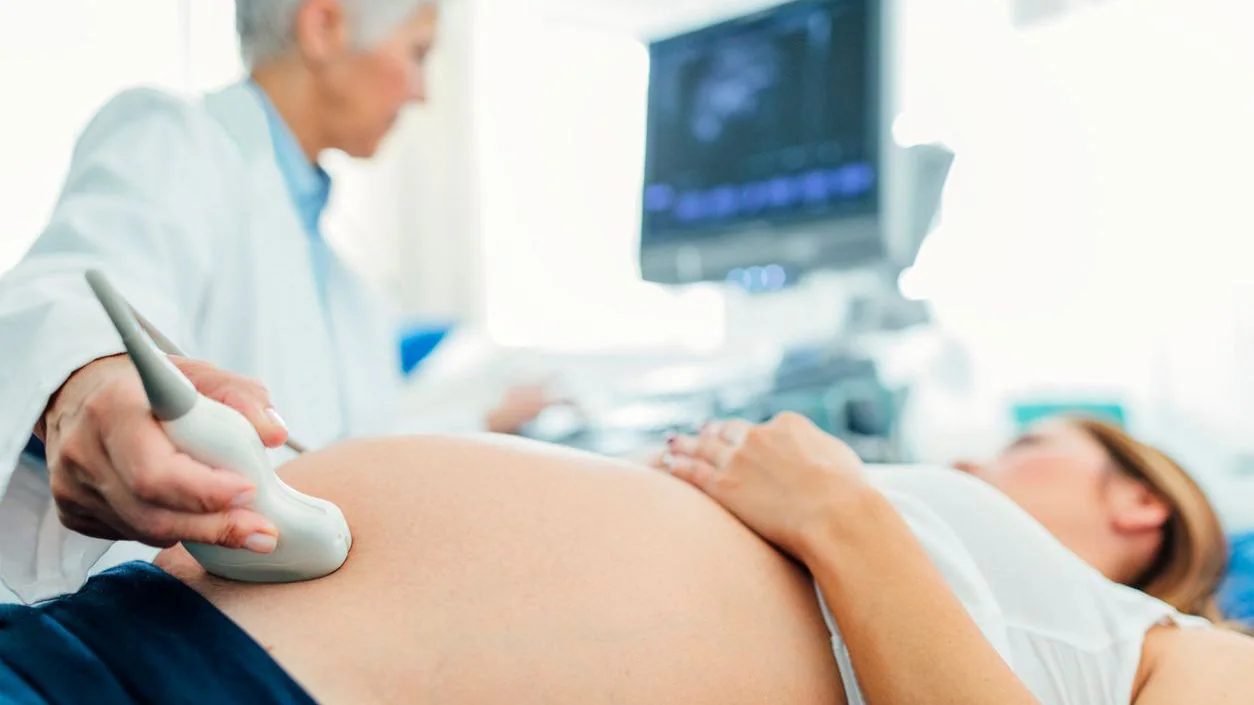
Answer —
(321, 30)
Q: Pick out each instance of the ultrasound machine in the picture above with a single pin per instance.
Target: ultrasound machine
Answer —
(769, 157)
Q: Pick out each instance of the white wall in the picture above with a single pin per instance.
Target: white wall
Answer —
(559, 124)
(1096, 228)
(59, 61)
(404, 219)
(210, 45)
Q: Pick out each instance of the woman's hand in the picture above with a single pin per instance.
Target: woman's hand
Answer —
(784, 479)
(804, 491)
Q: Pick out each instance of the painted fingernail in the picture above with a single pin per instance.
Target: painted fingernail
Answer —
(261, 543)
(243, 499)
(274, 417)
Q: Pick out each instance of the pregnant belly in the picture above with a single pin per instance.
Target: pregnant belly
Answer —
(489, 571)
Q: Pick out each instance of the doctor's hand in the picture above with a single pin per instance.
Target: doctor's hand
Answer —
(519, 407)
(785, 479)
(115, 474)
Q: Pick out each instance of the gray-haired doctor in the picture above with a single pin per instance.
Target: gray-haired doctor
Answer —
(205, 214)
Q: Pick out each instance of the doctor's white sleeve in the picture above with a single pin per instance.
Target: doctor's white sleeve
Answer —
(132, 207)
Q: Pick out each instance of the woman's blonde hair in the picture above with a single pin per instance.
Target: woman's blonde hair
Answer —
(1194, 555)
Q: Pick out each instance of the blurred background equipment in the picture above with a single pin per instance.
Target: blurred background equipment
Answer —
(1028, 413)
(768, 165)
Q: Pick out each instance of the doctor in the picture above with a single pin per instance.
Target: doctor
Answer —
(205, 214)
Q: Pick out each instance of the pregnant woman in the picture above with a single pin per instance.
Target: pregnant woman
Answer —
(767, 565)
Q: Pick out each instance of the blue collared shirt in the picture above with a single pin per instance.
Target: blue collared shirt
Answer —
(310, 188)
(307, 183)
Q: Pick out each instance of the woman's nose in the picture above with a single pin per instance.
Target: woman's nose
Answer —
(969, 467)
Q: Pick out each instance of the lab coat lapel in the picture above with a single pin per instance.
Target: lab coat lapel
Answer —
(236, 109)
(305, 376)
(356, 324)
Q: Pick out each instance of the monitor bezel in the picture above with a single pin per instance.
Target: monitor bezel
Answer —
(796, 224)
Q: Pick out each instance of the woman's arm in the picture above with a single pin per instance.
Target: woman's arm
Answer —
(909, 637)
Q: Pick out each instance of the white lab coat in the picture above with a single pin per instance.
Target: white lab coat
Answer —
(181, 203)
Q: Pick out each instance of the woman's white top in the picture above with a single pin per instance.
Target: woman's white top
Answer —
(1072, 636)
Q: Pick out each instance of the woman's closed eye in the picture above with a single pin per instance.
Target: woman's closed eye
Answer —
(1027, 440)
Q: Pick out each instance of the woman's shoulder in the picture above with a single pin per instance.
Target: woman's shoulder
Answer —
(1043, 588)
(894, 474)
(1041, 585)
(944, 489)
(1210, 666)
(1074, 635)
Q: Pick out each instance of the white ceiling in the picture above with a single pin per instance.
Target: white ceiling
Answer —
(648, 18)
(657, 18)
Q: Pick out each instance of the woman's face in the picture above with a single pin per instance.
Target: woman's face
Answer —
(1065, 479)
(363, 92)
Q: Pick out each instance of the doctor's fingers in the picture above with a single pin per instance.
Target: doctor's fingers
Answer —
(236, 528)
(247, 396)
(81, 508)
(256, 407)
(146, 466)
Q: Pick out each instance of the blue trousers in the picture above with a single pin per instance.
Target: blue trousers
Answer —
(134, 634)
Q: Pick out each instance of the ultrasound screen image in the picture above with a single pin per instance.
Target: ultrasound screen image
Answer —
(770, 119)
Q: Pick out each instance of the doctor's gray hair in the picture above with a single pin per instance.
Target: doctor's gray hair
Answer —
(267, 27)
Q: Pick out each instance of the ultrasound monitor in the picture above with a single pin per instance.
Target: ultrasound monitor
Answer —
(763, 152)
